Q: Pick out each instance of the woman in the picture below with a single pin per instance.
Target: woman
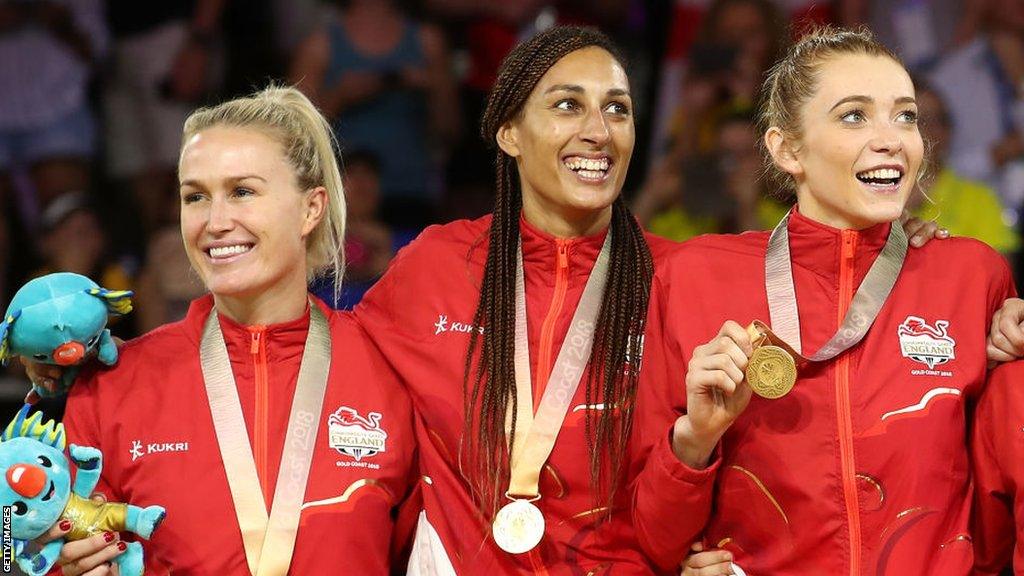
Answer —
(262, 212)
(862, 467)
(561, 115)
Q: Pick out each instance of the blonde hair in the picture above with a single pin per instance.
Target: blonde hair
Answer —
(793, 80)
(286, 115)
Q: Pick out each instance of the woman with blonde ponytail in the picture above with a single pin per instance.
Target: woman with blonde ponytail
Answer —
(274, 435)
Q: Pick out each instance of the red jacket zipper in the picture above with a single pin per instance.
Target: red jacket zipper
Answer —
(258, 349)
(547, 331)
(544, 358)
(849, 239)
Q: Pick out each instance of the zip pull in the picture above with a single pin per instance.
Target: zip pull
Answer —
(563, 255)
(254, 348)
(849, 244)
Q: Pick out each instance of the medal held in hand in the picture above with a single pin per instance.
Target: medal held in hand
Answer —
(518, 527)
(772, 369)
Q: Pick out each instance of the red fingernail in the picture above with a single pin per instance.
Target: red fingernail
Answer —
(65, 525)
(108, 536)
(122, 546)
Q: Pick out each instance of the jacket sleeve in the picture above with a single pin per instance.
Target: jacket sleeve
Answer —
(997, 458)
(82, 424)
(671, 502)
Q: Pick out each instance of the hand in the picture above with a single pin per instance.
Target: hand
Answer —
(710, 563)
(92, 556)
(46, 376)
(716, 394)
(919, 232)
(1006, 338)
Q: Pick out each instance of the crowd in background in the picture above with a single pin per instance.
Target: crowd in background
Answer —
(93, 95)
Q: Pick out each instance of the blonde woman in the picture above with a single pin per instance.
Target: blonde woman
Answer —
(273, 434)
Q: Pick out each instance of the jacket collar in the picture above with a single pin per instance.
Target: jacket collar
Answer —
(819, 247)
(540, 249)
(283, 340)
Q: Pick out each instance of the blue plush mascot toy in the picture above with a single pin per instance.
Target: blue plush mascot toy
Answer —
(61, 319)
(39, 490)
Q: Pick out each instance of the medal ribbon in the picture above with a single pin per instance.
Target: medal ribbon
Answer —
(867, 301)
(268, 543)
(536, 434)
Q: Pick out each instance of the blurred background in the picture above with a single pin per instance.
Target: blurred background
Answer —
(93, 95)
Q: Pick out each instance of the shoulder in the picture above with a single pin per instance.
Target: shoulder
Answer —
(719, 249)
(360, 369)
(979, 257)
(459, 239)
(138, 360)
(661, 248)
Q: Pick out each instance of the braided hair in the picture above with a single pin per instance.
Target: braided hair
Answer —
(489, 383)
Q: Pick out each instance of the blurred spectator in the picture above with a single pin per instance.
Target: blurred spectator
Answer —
(47, 52)
(918, 30)
(369, 243)
(713, 192)
(736, 43)
(692, 21)
(167, 284)
(982, 83)
(965, 207)
(72, 239)
(385, 79)
(160, 68)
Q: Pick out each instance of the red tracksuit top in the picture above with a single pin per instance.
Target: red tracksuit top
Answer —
(865, 461)
(997, 451)
(420, 315)
(150, 416)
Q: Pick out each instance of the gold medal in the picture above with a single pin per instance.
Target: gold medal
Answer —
(771, 372)
(518, 527)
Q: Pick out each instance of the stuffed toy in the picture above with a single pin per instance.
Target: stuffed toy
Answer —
(39, 491)
(61, 319)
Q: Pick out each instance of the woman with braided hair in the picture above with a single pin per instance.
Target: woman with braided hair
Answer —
(480, 351)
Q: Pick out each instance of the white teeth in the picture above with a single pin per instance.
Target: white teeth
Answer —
(881, 174)
(591, 174)
(223, 251)
(578, 163)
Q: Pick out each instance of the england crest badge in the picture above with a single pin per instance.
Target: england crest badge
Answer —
(352, 435)
(929, 345)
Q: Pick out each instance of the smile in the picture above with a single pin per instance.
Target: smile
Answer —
(882, 179)
(49, 494)
(591, 170)
(226, 252)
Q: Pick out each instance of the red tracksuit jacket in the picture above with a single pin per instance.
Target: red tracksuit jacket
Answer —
(998, 458)
(420, 315)
(863, 467)
(150, 416)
